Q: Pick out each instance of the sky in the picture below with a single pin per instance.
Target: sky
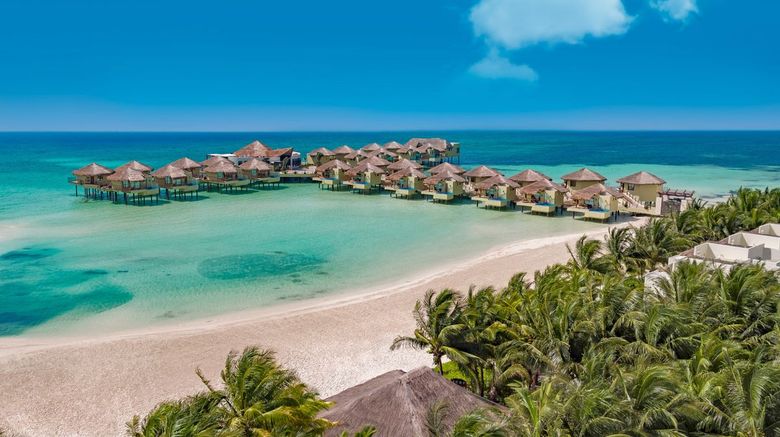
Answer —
(171, 65)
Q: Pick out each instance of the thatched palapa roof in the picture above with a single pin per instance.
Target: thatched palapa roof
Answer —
(584, 174)
(254, 149)
(444, 176)
(497, 180)
(221, 167)
(365, 166)
(213, 160)
(377, 161)
(256, 164)
(392, 146)
(336, 163)
(93, 169)
(169, 171)
(373, 147)
(127, 174)
(397, 403)
(446, 166)
(595, 190)
(642, 178)
(343, 150)
(530, 176)
(481, 172)
(321, 151)
(541, 185)
(186, 164)
(135, 165)
(404, 163)
(409, 171)
(434, 143)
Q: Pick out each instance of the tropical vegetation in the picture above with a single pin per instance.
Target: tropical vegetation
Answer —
(596, 347)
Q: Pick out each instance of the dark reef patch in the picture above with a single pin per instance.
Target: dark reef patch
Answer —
(258, 265)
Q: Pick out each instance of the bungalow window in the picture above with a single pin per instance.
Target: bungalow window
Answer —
(572, 183)
(631, 187)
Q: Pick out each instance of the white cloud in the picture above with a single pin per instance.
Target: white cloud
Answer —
(494, 66)
(676, 9)
(514, 24)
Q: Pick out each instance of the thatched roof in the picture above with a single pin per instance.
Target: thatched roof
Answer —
(530, 176)
(185, 164)
(255, 149)
(377, 161)
(135, 165)
(321, 151)
(444, 176)
(170, 171)
(93, 169)
(481, 172)
(365, 166)
(127, 174)
(595, 190)
(336, 163)
(213, 160)
(642, 178)
(343, 150)
(541, 185)
(435, 143)
(221, 167)
(496, 180)
(404, 163)
(397, 403)
(584, 174)
(373, 147)
(392, 146)
(256, 164)
(404, 172)
(446, 166)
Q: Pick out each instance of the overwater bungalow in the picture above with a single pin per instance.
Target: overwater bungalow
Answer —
(258, 172)
(543, 196)
(387, 155)
(432, 151)
(189, 166)
(370, 148)
(392, 146)
(377, 161)
(319, 156)
(135, 165)
(365, 177)
(214, 159)
(582, 178)
(132, 185)
(223, 174)
(595, 202)
(175, 181)
(406, 182)
(642, 186)
(528, 177)
(92, 177)
(402, 164)
(355, 157)
(479, 174)
(444, 186)
(495, 192)
(332, 175)
(342, 151)
(280, 159)
(447, 167)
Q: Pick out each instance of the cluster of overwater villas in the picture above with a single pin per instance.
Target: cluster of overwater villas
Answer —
(582, 192)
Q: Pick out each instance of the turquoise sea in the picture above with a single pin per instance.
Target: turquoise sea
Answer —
(70, 266)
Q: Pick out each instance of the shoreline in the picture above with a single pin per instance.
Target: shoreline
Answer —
(333, 342)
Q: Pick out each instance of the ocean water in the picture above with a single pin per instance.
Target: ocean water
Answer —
(71, 266)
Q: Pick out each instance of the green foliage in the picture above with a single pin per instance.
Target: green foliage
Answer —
(586, 349)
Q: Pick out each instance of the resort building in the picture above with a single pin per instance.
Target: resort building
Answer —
(406, 182)
(595, 202)
(371, 148)
(135, 165)
(528, 177)
(432, 151)
(495, 192)
(444, 186)
(258, 172)
(365, 177)
(332, 175)
(214, 159)
(175, 181)
(281, 159)
(582, 178)
(134, 185)
(402, 164)
(752, 247)
(377, 161)
(479, 174)
(772, 229)
(223, 174)
(319, 156)
(92, 177)
(642, 186)
(397, 403)
(542, 197)
(341, 152)
(392, 146)
(189, 166)
(355, 157)
(447, 167)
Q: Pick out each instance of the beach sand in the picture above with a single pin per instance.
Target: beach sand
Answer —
(92, 386)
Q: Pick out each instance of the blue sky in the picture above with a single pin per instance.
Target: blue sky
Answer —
(362, 65)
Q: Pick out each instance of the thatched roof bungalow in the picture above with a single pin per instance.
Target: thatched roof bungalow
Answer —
(365, 177)
(479, 174)
(447, 167)
(174, 180)
(188, 165)
(496, 191)
(256, 169)
(642, 186)
(406, 182)
(93, 175)
(397, 403)
(527, 177)
(582, 178)
(135, 165)
(543, 196)
(444, 186)
(402, 164)
(332, 174)
(597, 202)
(319, 156)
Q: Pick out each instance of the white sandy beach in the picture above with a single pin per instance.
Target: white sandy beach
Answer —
(92, 386)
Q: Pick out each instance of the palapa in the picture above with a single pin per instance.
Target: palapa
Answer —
(444, 176)
(402, 164)
(406, 172)
(127, 174)
(446, 166)
(529, 175)
(373, 147)
(186, 164)
(93, 170)
(221, 167)
(135, 165)
(497, 180)
(256, 164)
(213, 160)
(392, 146)
(541, 185)
(255, 149)
(343, 150)
(321, 151)
(365, 167)
(169, 171)
(642, 178)
(596, 190)
(336, 163)
(481, 172)
(584, 174)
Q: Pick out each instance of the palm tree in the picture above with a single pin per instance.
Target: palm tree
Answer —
(586, 256)
(435, 315)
